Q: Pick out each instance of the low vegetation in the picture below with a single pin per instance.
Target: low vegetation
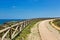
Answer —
(26, 31)
(57, 22)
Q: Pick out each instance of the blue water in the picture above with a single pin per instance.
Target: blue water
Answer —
(2, 21)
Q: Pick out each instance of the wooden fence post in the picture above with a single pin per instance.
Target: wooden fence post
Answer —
(10, 34)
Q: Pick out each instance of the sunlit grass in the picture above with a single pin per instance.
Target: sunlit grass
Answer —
(57, 22)
(23, 34)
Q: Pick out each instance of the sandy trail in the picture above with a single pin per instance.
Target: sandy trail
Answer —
(34, 35)
(43, 31)
(47, 32)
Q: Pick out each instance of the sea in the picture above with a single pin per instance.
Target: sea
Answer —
(2, 21)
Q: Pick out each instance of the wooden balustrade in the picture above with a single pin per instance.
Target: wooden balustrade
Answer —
(15, 29)
(18, 27)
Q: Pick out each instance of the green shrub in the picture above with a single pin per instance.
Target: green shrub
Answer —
(57, 22)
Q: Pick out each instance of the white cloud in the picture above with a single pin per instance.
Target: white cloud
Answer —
(35, 0)
(13, 6)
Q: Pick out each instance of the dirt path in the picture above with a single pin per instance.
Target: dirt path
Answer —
(34, 35)
(43, 31)
(47, 31)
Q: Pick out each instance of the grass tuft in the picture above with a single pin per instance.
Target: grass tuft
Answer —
(23, 34)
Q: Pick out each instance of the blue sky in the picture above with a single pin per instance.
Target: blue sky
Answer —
(22, 9)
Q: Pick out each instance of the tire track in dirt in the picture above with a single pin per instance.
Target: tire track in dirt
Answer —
(34, 35)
